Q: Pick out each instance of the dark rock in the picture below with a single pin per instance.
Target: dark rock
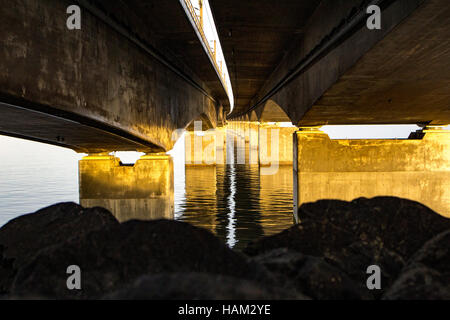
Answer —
(112, 258)
(427, 275)
(400, 225)
(351, 236)
(7, 272)
(435, 254)
(198, 286)
(311, 275)
(419, 283)
(355, 259)
(310, 238)
(22, 238)
(326, 226)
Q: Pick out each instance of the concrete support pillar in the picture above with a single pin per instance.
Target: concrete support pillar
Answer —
(200, 148)
(235, 144)
(275, 144)
(242, 130)
(254, 142)
(221, 145)
(246, 125)
(238, 129)
(144, 191)
(416, 169)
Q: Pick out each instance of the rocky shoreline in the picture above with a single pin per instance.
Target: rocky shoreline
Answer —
(326, 256)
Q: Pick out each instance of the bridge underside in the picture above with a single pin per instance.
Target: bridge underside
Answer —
(125, 82)
(116, 84)
(404, 78)
(340, 72)
(68, 130)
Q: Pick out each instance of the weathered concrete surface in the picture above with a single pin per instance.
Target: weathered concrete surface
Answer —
(398, 74)
(275, 144)
(221, 145)
(246, 125)
(95, 78)
(237, 149)
(405, 78)
(254, 142)
(200, 148)
(416, 169)
(144, 191)
(272, 112)
(261, 33)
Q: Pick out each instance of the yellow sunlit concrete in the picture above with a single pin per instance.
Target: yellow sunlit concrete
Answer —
(416, 169)
(200, 148)
(144, 191)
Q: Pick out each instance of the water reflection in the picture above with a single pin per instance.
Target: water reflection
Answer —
(201, 194)
(236, 202)
(142, 191)
(231, 227)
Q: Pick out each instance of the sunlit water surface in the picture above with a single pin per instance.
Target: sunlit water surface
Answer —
(235, 202)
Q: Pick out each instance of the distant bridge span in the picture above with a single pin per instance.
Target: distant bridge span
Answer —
(137, 71)
(326, 67)
(126, 81)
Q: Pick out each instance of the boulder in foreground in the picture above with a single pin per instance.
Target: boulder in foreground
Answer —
(350, 236)
(199, 286)
(115, 257)
(24, 237)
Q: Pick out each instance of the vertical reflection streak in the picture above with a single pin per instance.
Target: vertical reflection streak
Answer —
(231, 227)
(178, 153)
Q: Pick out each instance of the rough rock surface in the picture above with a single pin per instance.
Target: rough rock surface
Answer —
(329, 225)
(427, 275)
(199, 286)
(112, 258)
(310, 275)
(22, 238)
(351, 236)
(324, 257)
(355, 258)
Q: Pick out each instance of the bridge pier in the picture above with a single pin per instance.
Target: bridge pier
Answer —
(200, 148)
(254, 142)
(142, 191)
(417, 168)
(246, 125)
(221, 145)
(242, 130)
(275, 144)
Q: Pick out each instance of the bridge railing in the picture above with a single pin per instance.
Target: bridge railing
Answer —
(198, 22)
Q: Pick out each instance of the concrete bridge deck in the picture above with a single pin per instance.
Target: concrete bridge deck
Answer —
(331, 69)
(137, 71)
(132, 75)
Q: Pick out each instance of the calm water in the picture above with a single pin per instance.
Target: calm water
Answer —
(235, 202)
